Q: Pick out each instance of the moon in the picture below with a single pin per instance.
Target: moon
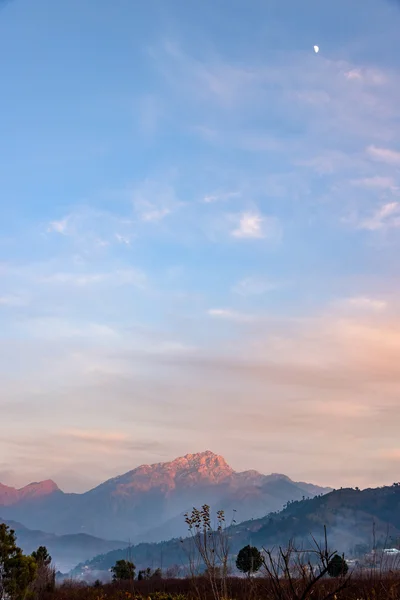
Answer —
(316, 49)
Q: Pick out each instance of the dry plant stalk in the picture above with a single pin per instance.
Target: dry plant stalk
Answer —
(211, 546)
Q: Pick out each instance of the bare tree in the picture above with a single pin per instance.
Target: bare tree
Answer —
(293, 574)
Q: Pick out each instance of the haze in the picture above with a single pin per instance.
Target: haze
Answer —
(199, 238)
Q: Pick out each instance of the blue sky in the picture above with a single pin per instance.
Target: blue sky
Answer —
(199, 237)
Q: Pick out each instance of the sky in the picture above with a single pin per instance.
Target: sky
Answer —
(199, 237)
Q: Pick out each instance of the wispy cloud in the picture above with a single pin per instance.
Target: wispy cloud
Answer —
(385, 155)
(230, 315)
(366, 75)
(123, 239)
(387, 216)
(153, 201)
(254, 286)
(220, 196)
(118, 277)
(375, 182)
(13, 301)
(92, 230)
(60, 226)
(339, 95)
(217, 80)
(390, 454)
(53, 329)
(365, 303)
(154, 214)
(95, 436)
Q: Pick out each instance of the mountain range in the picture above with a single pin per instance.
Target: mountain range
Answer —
(148, 502)
(65, 550)
(356, 522)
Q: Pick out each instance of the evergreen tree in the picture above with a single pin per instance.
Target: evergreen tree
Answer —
(249, 560)
(123, 570)
(17, 571)
(42, 556)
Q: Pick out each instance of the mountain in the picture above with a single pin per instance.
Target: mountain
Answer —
(355, 520)
(352, 517)
(10, 495)
(64, 549)
(148, 502)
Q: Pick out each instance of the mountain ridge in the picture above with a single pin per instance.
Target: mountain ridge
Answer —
(35, 489)
(185, 468)
(148, 501)
(63, 549)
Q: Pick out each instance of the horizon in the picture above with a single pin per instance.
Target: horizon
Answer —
(199, 238)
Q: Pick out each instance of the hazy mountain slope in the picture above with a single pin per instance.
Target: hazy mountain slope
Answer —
(64, 549)
(349, 515)
(147, 502)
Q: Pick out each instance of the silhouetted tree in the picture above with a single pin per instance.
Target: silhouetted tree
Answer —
(145, 574)
(45, 579)
(249, 560)
(157, 574)
(16, 570)
(42, 556)
(123, 570)
(337, 566)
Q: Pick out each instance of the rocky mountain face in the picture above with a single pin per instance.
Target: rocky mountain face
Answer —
(148, 502)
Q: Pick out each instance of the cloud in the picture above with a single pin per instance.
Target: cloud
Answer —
(325, 380)
(332, 381)
(153, 214)
(376, 181)
(12, 301)
(216, 80)
(95, 436)
(53, 329)
(366, 75)
(91, 231)
(329, 162)
(123, 239)
(59, 226)
(153, 201)
(130, 276)
(364, 303)
(387, 216)
(390, 454)
(252, 225)
(332, 98)
(85, 464)
(254, 286)
(386, 155)
(218, 196)
(230, 315)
